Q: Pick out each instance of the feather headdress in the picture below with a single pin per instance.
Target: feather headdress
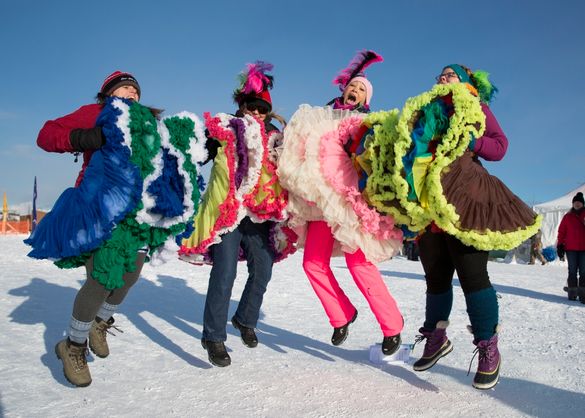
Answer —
(356, 67)
(253, 81)
(485, 88)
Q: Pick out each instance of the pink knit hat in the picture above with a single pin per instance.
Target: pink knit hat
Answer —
(365, 82)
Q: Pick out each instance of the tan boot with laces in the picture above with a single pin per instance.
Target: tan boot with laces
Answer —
(74, 361)
(98, 333)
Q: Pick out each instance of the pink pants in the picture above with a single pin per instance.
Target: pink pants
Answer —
(339, 309)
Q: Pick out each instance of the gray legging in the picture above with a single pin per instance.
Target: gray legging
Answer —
(93, 294)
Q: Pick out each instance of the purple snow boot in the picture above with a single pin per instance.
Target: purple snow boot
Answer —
(436, 346)
(488, 366)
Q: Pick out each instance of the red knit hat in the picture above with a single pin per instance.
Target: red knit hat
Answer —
(265, 96)
(254, 84)
(118, 79)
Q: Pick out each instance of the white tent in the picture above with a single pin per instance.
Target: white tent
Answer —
(552, 212)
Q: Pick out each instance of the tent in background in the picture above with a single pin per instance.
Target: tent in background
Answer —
(552, 212)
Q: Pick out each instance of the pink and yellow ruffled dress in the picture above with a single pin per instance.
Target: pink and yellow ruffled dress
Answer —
(322, 182)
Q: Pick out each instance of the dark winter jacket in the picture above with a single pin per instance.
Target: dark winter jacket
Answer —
(572, 230)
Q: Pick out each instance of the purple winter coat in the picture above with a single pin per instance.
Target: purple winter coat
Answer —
(493, 144)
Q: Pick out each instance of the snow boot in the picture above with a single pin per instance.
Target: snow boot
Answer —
(572, 293)
(340, 333)
(98, 332)
(581, 292)
(488, 366)
(436, 346)
(74, 360)
(391, 344)
(246, 333)
(217, 353)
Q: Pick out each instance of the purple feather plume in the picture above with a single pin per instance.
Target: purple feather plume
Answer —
(356, 67)
(241, 149)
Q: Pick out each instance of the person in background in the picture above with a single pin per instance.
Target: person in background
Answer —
(571, 243)
(536, 248)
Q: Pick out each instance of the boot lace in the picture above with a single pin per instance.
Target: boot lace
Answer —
(418, 339)
(78, 357)
(485, 355)
(105, 327)
(433, 343)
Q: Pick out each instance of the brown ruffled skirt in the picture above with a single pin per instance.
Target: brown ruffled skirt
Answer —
(481, 200)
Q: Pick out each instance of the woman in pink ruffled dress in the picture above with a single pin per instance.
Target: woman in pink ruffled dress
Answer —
(328, 211)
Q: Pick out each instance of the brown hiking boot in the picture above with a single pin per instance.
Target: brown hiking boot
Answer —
(75, 366)
(97, 336)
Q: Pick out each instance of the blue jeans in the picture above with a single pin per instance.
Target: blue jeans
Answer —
(576, 261)
(253, 239)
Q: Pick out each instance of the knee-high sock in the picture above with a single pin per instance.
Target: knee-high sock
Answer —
(482, 308)
(438, 308)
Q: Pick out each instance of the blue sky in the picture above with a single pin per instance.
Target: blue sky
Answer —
(187, 54)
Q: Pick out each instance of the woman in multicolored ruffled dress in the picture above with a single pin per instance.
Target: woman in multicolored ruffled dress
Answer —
(242, 212)
(318, 168)
(134, 193)
(428, 175)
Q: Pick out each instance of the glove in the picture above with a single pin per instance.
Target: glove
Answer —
(211, 145)
(561, 251)
(87, 139)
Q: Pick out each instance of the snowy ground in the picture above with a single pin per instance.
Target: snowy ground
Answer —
(158, 368)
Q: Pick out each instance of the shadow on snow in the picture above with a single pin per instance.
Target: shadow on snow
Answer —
(185, 313)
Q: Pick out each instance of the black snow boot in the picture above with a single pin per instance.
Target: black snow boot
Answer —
(391, 344)
(581, 292)
(248, 335)
(217, 353)
(340, 333)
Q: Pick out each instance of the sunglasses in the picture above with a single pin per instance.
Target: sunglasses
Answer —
(262, 109)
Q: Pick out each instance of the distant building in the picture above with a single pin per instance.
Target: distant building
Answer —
(20, 224)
